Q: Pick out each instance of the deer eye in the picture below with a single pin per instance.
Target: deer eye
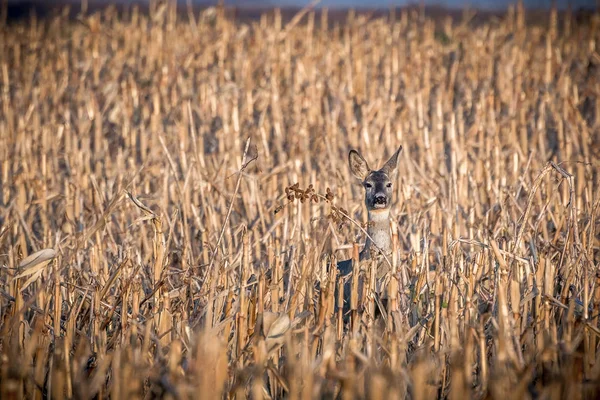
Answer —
(389, 185)
(368, 185)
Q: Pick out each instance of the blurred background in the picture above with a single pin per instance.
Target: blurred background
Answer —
(252, 9)
(370, 4)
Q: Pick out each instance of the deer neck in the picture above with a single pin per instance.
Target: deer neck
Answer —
(379, 233)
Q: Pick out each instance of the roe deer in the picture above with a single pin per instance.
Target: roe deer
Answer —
(379, 186)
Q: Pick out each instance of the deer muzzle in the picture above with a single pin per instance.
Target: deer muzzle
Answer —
(380, 201)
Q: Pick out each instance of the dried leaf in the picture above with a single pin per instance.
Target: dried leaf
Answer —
(35, 262)
(275, 329)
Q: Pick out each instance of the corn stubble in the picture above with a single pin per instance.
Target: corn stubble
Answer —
(147, 248)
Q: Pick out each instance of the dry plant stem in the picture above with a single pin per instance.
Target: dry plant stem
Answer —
(245, 163)
(210, 270)
(298, 17)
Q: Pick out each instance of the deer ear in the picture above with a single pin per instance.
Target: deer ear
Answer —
(391, 166)
(358, 165)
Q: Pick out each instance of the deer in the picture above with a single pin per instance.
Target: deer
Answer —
(379, 187)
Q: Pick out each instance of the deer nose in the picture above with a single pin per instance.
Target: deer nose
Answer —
(380, 198)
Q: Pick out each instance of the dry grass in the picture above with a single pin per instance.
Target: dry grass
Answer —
(124, 152)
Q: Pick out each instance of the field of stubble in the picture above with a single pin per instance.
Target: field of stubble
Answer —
(146, 162)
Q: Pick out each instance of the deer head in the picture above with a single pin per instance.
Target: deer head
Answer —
(378, 184)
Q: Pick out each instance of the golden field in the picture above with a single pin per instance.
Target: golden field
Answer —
(146, 160)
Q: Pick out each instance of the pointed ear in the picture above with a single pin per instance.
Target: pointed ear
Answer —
(358, 165)
(391, 166)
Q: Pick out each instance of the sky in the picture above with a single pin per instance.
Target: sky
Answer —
(482, 4)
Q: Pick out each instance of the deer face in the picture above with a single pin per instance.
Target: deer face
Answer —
(378, 184)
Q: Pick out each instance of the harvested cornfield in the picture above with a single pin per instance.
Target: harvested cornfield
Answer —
(175, 192)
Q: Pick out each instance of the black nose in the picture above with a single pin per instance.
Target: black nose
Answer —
(380, 199)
